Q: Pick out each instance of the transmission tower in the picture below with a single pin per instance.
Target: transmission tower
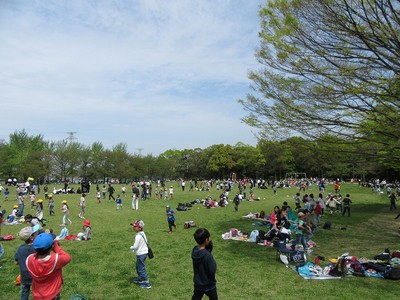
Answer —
(71, 136)
(140, 151)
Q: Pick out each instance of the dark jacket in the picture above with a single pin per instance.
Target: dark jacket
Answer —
(204, 268)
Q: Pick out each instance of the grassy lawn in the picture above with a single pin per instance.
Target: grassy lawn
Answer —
(101, 268)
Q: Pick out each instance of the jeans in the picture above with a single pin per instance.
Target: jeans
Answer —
(21, 208)
(25, 289)
(135, 202)
(141, 267)
(300, 239)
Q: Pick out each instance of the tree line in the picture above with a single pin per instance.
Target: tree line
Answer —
(26, 156)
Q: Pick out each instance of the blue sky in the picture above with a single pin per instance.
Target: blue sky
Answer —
(155, 75)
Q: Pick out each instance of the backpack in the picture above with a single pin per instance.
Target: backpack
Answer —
(392, 273)
(327, 225)
(339, 269)
(189, 224)
(298, 257)
(181, 207)
(376, 266)
(382, 256)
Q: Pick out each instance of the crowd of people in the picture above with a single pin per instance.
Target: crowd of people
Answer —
(284, 223)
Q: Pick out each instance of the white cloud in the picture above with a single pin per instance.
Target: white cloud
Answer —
(165, 74)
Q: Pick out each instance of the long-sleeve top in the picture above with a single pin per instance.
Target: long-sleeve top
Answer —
(46, 273)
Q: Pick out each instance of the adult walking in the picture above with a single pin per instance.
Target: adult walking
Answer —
(393, 200)
(111, 191)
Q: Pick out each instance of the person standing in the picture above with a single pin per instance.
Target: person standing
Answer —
(21, 204)
(123, 190)
(45, 267)
(51, 205)
(104, 191)
(135, 197)
(32, 197)
(236, 201)
(82, 205)
(393, 200)
(204, 266)
(183, 185)
(317, 214)
(119, 202)
(141, 248)
(98, 196)
(27, 234)
(170, 217)
(346, 204)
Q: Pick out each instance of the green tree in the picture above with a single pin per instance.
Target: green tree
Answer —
(24, 156)
(220, 163)
(66, 159)
(97, 169)
(279, 159)
(328, 66)
(249, 161)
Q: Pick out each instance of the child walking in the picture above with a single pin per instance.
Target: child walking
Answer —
(82, 205)
(98, 196)
(170, 217)
(204, 266)
(65, 210)
(51, 205)
(32, 197)
(119, 202)
(141, 248)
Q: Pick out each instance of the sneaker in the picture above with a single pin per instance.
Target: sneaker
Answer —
(145, 285)
(137, 280)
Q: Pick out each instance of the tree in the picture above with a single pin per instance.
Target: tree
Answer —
(23, 156)
(66, 159)
(279, 159)
(249, 161)
(328, 66)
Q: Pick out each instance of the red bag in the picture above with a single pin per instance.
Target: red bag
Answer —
(7, 237)
(396, 254)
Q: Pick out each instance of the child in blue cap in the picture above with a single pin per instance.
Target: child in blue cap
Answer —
(170, 217)
(46, 266)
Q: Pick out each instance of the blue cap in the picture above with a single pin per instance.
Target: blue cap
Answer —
(43, 241)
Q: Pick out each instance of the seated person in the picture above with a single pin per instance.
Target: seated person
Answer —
(86, 235)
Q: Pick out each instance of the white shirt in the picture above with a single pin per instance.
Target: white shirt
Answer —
(139, 244)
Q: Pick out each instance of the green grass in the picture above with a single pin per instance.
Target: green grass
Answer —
(101, 268)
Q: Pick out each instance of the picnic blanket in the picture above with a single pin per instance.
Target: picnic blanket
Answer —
(235, 234)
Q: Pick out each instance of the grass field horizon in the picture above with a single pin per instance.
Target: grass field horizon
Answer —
(101, 268)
